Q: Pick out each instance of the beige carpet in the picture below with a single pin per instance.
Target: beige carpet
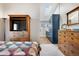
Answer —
(44, 40)
(50, 50)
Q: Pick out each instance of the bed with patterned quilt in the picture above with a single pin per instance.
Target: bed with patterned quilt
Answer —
(19, 48)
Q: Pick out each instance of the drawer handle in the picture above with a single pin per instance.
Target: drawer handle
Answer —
(72, 38)
(71, 33)
(72, 51)
(64, 46)
(71, 44)
(64, 51)
(64, 40)
(64, 36)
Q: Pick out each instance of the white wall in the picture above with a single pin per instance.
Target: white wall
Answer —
(30, 9)
(46, 9)
(57, 9)
(1, 29)
(35, 29)
(1, 23)
(64, 8)
(1, 10)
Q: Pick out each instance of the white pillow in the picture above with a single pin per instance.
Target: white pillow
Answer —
(12, 46)
(9, 43)
(2, 47)
(24, 46)
(28, 42)
(2, 42)
(19, 43)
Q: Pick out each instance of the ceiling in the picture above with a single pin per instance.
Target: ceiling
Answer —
(61, 8)
(46, 9)
(66, 7)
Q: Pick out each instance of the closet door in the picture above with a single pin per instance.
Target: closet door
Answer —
(1, 30)
(55, 24)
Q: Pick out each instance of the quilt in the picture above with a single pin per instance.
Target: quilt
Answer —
(19, 48)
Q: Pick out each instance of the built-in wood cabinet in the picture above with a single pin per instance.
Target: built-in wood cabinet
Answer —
(20, 23)
(68, 42)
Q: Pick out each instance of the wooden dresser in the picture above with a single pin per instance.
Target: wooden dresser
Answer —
(68, 42)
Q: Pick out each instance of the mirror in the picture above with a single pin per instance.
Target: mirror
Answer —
(73, 16)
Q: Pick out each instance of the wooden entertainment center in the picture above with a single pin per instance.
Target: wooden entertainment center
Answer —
(22, 23)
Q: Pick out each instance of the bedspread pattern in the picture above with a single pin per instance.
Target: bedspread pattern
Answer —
(18, 48)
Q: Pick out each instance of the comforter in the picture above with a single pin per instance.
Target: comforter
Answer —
(18, 48)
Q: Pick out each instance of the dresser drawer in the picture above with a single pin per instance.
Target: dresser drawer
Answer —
(74, 34)
(74, 45)
(62, 33)
(62, 37)
(68, 50)
(73, 52)
(62, 41)
(64, 49)
(73, 39)
(64, 46)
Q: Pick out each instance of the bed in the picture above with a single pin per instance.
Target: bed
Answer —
(19, 48)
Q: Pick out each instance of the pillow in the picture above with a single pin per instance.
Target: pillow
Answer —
(19, 43)
(2, 47)
(35, 43)
(24, 46)
(34, 46)
(28, 43)
(9, 43)
(12, 46)
(32, 52)
(2, 42)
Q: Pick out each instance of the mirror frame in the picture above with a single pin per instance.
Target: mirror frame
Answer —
(69, 23)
